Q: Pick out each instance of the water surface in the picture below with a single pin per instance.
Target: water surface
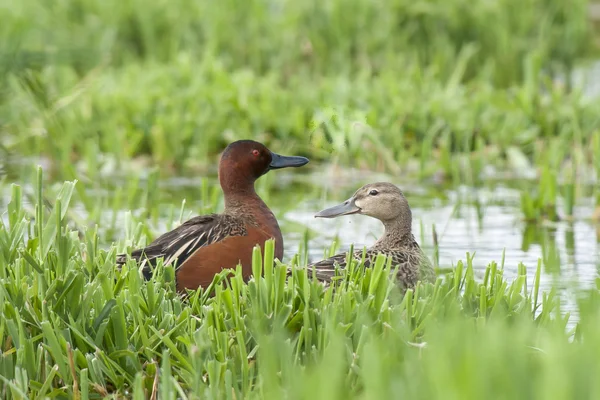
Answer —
(485, 221)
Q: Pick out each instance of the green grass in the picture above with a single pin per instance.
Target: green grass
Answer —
(72, 326)
(421, 89)
(120, 95)
(425, 87)
(183, 117)
(337, 37)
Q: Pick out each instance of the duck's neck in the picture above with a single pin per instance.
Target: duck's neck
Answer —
(239, 193)
(397, 234)
(249, 207)
(243, 202)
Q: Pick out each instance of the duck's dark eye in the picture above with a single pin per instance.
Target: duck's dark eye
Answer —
(374, 192)
(255, 153)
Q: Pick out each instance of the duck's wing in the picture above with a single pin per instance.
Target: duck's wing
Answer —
(407, 271)
(183, 241)
(325, 269)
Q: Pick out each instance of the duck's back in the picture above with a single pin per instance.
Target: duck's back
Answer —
(180, 243)
(202, 247)
(413, 264)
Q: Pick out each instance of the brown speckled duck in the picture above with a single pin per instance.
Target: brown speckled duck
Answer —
(387, 203)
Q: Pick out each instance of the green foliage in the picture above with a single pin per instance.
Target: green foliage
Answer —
(353, 36)
(542, 204)
(101, 90)
(184, 113)
(373, 83)
(72, 325)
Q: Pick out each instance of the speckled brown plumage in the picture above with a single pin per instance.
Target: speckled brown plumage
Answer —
(387, 203)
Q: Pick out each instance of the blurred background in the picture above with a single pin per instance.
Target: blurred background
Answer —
(484, 112)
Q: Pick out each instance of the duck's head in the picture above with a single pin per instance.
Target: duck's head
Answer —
(381, 200)
(244, 161)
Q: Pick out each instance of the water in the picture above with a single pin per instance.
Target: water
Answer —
(491, 233)
(489, 226)
(485, 221)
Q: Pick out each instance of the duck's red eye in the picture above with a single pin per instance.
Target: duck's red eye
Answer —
(255, 153)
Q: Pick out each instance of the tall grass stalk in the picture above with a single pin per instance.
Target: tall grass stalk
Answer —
(72, 325)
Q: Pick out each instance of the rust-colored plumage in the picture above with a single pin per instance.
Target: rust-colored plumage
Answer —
(205, 245)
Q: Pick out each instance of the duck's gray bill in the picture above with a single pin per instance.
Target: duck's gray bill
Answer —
(279, 161)
(347, 207)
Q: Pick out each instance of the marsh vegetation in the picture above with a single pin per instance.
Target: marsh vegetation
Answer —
(468, 106)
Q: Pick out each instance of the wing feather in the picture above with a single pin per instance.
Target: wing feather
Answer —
(180, 243)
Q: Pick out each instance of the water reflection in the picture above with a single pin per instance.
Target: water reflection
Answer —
(485, 221)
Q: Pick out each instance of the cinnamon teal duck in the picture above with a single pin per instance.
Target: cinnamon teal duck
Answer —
(205, 245)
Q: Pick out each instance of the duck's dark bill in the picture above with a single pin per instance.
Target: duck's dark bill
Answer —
(347, 207)
(279, 161)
